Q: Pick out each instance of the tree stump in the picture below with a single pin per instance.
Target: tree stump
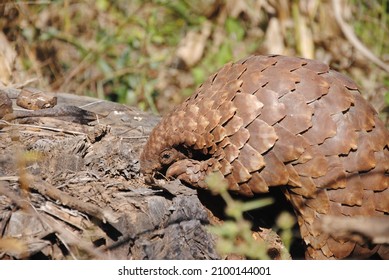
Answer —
(70, 189)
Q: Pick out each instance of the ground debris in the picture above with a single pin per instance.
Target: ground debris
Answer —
(72, 190)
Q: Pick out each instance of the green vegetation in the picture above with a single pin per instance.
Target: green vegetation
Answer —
(235, 235)
(128, 50)
(153, 54)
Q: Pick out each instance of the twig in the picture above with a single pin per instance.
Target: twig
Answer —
(375, 229)
(45, 189)
(352, 38)
(9, 178)
(44, 127)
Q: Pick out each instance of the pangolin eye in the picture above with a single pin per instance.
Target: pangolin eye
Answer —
(167, 157)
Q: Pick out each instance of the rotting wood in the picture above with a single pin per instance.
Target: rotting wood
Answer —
(90, 170)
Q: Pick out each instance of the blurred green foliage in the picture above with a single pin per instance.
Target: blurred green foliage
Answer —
(235, 235)
(126, 50)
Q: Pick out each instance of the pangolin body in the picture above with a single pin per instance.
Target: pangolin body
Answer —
(276, 121)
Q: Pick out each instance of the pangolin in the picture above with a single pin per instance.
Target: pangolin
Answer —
(277, 121)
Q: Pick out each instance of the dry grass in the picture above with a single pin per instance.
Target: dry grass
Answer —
(152, 54)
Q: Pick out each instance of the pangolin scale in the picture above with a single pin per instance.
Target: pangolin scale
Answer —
(277, 121)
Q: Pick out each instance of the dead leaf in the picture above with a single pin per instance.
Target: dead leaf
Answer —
(7, 60)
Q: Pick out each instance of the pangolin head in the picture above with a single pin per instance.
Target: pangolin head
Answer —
(158, 153)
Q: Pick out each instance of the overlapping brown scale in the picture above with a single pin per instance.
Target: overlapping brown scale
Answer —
(317, 241)
(338, 98)
(376, 179)
(212, 149)
(364, 252)
(226, 167)
(202, 123)
(308, 215)
(222, 97)
(192, 110)
(281, 76)
(239, 172)
(351, 211)
(252, 82)
(362, 114)
(213, 118)
(362, 159)
(294, 178)
(251, 159)
(352, 194)
(226, 141)
(248, 107)
(240, 138)
(221, 77)
(290, 63)
(262, 136)
(275, 172)
(231, 152)
(226, 111)
(335, 208)
(298, 113)
(273, 110)
(186, 137)
(219, 133)
(345, 139)
(233, 125)
(381, 200)
(232, 184)
(340, 249)
(315, 229)
(200, 141)
(367, 207)
(307, 155)
(316, 66)
(279, 80)
(191, 124)
(178, 138)
(308, 189)
(316, 167)
(311, 253)
(225, 93)
(323, 127)
(343, 80)
(259, 63)
(311, 86)
(335, 177)
(288, 147)
(257, 184)
(320, 203)
(245, 189)
(237, 70)
(181, 120)
(327, 252)
(303, 228)
(209, 143)
(378, 136)
(206, 105)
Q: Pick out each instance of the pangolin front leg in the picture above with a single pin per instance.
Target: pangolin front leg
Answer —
(276, 121)
(190, 171)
